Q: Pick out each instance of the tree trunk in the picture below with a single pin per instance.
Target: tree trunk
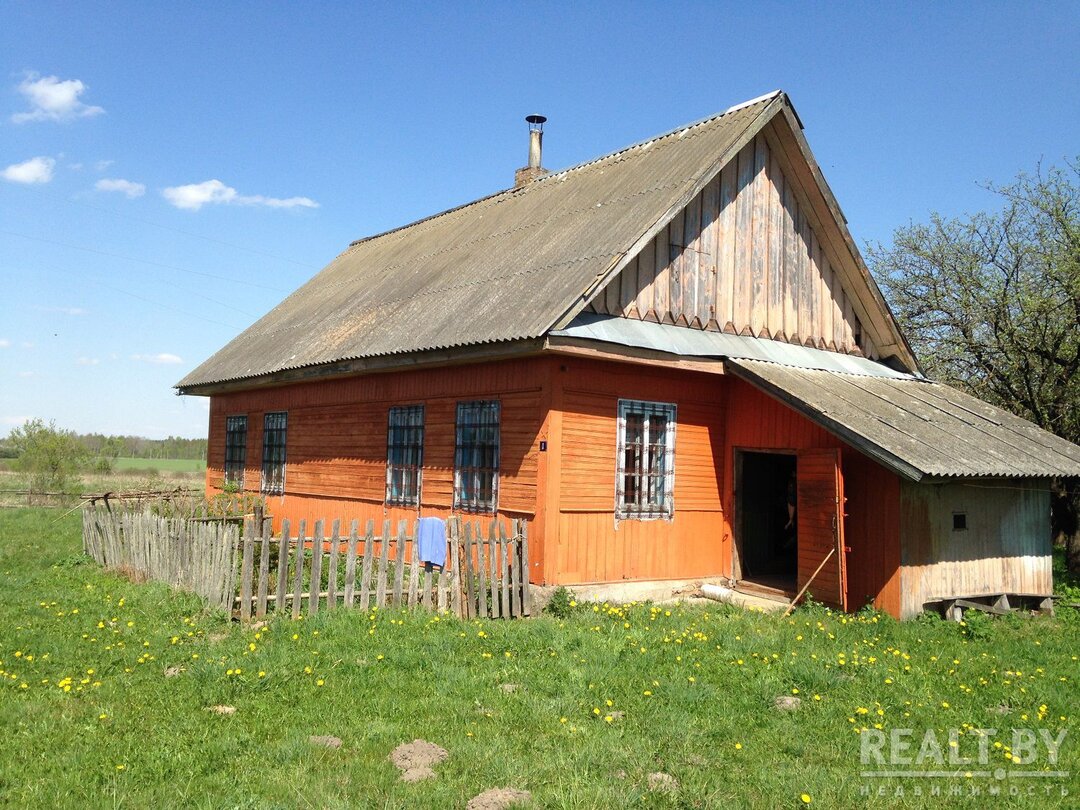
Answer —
(1065, 520)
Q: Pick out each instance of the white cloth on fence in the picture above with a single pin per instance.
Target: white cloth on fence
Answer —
(431, 535)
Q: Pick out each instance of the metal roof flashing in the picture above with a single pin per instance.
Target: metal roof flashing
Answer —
(684, 341)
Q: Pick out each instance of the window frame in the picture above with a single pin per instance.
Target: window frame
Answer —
(271, 485)
(235, 466)
(398, 436)
(485, 414)
(645, 507)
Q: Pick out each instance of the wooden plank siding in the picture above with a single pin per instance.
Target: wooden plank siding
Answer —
(756, 421)
(872, 532)
(1006, 547)
(337, 430)
(588, 544)
(743, 256)
(336, 463)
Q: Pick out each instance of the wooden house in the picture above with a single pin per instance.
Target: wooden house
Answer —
(659, 358)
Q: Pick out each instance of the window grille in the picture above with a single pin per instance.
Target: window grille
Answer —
(476, 456)
(404, 454)
(273, 460)
(235, 450)
(646, 460)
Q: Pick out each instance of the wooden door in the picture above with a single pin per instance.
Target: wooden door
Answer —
(820, 519)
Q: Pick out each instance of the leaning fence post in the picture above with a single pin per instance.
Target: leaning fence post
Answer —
(245, 572)
(384, 557)
(470, 604)
(495, 580)
(365, 577)
(316, 569)
(515, 573)
(264, 562)
(455, 562)
(298, 579)
(526, 591)
(350, 563)
(283, 566)
(331, 574)
(482, 579)
(414, 565)
(399, 569)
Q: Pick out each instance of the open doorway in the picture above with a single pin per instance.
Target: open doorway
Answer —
(768, 539)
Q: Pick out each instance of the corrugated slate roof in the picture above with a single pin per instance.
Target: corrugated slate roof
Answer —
(686, 342)
(918, 428)
(506, 267)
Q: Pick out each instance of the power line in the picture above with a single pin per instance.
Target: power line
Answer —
(130, 294)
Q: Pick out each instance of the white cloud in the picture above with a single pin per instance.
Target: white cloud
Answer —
(102, 165)
(4, 343)
(87, 361)
(26, 344)
(194, 196)
(127, 187)
(53, 99)
(28, 374)
(164, 358)
(34, 170)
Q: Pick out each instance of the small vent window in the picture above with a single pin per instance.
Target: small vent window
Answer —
(959, 521)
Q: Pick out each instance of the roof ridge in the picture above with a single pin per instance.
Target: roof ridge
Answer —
(676, 131)
(576, 167)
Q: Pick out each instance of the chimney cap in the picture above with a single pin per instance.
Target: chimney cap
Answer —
(535, 120)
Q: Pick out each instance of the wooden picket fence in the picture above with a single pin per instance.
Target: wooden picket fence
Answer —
(486, 571)
(193, 555)
(483, 576)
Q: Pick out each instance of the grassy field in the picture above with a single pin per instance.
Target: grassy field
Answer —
(106, 691)
(161, 465)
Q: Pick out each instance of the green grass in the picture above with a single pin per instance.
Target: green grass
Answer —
(195, 465)
(695, 685)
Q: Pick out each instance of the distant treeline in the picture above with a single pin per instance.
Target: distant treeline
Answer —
(98, 445)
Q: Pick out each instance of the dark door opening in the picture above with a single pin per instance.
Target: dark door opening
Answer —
(767, 497)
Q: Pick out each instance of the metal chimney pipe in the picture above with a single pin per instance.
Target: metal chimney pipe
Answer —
(536, 139)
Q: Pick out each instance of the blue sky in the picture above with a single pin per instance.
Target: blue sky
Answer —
(169, 172)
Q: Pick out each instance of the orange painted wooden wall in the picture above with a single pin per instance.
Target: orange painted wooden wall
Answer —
(872, 526)
(336, 439)
(336, 463)
(589, 545)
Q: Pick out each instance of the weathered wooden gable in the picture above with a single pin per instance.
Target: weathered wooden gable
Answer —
(750, 255)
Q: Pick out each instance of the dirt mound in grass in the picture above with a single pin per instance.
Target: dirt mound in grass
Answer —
(662, 782)
(498, 799)
(415, 759)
